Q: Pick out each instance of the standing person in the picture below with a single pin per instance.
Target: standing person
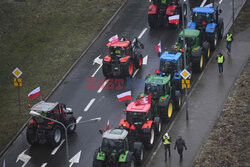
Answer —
(221, 60)
(229, 39)
(166, 141)
(180, 144)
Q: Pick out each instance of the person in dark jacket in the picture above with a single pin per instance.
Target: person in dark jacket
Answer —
(180, 144)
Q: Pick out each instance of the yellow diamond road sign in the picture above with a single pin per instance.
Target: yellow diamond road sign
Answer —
(185, 74)
(17, 72)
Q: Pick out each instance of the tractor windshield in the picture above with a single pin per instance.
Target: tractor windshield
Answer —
(135, 117)
(112, 145)
(167, 67)
(202, 18)
(190, 41)
(156, 90)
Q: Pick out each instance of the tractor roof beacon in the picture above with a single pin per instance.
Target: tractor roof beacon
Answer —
(42, 130)
(117, 151)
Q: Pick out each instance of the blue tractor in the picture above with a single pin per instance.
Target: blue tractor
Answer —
(172, 64)
(208, 22)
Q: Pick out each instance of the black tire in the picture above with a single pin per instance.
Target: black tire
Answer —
(207, 50)
(167, 112)
(158, 125)
(131, 163)
(198, 60)
(97, 163)
(139, 60)
(152, 20)
(178, 103)
(55, 136)
(106, 70)
(184, 9)
(221, 28)
(138, 152)
(151, 140)
(213, 39)
(31, 135)
(71, 129)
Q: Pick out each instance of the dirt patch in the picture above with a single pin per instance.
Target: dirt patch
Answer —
(42, 38)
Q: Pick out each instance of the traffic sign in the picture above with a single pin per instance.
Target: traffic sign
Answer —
(18, 82)
(185, 83)
(185, 74)
(17, 72)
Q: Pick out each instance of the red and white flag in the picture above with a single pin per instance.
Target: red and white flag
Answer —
(175, 19)
(114, 39)
(107, 127)
(144, 100)
(34, 93)
(124, 96)
(158, 48)
(209, 5)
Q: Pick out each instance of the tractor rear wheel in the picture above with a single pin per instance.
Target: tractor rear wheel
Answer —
(152, 20)
(207, 50)
(55, 136)
(131, 163)
(198, 60)
(221, 28)
(150, 141)
(97, 163)
(213, 39)
(178, 103)
(106, 70)
(138, 152)
(31, 135)
(158, 125)
(167, 112)
(72, 128)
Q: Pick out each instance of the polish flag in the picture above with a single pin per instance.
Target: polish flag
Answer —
(124, 96)
(209, 5)
(114, 39)
(174, 19)
(107, 127)
(158, 48)
(144, 100)
(34, 93)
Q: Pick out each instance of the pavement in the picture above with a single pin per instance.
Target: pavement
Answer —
(205, 103)
(88, 103)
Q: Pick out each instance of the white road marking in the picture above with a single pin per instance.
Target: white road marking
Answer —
(57, 148)
(78, 119)
(44, 164)
(135, 73)
(103, 86)
(203, 3)
(142, 33)
(220, 1)
(96, 70)
(97, 60)
(23, 157)
(75, 158)
(145, 60)
(89, 105)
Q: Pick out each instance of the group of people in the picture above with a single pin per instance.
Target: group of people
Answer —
(179, 144)
(220, 58)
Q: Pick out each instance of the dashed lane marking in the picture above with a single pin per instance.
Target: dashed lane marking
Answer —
(89, 105)
(57, 148)
(220, 1)
(103, 86)
(203, 3)
(135, 73)
(96, 70)
(78, 119)
(142, 33)
(145, 60)
(44, 164)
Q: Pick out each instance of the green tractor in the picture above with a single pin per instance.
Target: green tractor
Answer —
(197, 48)
(164, 98)
(117, 151)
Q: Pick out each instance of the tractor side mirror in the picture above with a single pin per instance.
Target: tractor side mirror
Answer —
(101, 131)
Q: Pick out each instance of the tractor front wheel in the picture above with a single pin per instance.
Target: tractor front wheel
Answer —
(31, 135)
(131, 163)
(158, 125)
(97, 163)
(72, 128)
(150, 141)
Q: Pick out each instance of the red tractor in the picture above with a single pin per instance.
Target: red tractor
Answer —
(140, 124)
(166, 12)
(123, 59)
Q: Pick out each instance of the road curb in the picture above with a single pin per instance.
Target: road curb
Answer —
(66, 74)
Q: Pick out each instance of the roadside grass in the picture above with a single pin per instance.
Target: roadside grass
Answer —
(43, 39)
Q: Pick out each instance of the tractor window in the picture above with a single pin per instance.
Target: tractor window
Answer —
(200, 17)
(156, 90)
(190, 41)
(135, 117)
(112, 145)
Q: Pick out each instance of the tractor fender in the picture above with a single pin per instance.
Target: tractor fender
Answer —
(191, 25)
(147, 124)
(164, 104)
(99, 155)
(171, 9)
(137, 147)
(210, 28)
(152, 9)
(125, 59)
(124, 123)
(107, 58)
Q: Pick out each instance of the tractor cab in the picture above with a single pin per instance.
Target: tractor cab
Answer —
(119, 49)
(202, 16)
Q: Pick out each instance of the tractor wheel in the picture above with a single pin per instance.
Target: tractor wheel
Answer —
(157, 122)
(72, 128)
(198, 60)
(138, 152)
(152, 20)
(139, 60)
(97, 163)
(150, 141)
(55, 136)
(167, 112)
(130, 68)
(213, 39)
(221, 28)
(178, 103)
(184, 9)
(131, 163)
(106, 70)
(31, 135)
(207, 50)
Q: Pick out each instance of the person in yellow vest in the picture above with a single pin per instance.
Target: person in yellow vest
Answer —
(229, 38)
(166, 142)
(220, 58)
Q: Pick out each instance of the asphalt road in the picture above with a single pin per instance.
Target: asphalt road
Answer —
(130, 22)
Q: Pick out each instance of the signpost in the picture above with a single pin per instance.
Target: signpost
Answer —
(18, 83)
